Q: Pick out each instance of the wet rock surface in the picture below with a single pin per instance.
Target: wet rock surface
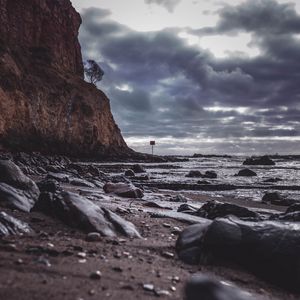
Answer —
(262, 247)
(16, 189)
(246, 172)
(203, 287)
(123, 190)
(12, 226)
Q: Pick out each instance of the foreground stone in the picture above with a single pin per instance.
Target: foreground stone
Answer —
(12, 226)
(271, 249)
(126, 190)
(16, 189)
(202, 287)
(277, 199)
(81, 213)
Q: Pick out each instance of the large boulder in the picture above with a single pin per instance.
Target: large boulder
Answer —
(81, 213)
(200, 287)
(271, 249)
(12, 226)
(126, 190)
(262, 160)
(214, 209)
(246, 172)
(16, 189)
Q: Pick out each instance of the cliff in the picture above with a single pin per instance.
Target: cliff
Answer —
(45, 105)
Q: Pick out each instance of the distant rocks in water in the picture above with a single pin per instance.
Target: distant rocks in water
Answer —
(12, 226)
(262, 160)
(276, 199)
(246, 173)
(16, 189)
(202, 287)
(198, 174)
(214, 209)
(271, 249)
(210, 174)
(273, 180)
(129, 173)
(126, 190)
(81, 213)
(138, 169)
(198, 155)
(194, 174)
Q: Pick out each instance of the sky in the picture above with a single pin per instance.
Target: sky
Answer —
(199, 76)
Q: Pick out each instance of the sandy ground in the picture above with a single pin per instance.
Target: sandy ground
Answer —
(56, 262)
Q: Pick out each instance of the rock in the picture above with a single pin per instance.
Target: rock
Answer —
(123, 190)
(60, 177)
(271, 249)
(179, 198)
(12, 226)
(203, 182)
(276, 199)
(194, 174)
(263, 160)
(246, 172)
(93, 237)
(129, 173)
(214, 209)
(49, 185)
(142, 177)
(187, 208)
(204, 288)
(148, 287)
(138, 169)
(210, 174)
(272, 180)
(51, 108)
(16, 189)
(96, 275)
(81, 213)
(81, 182)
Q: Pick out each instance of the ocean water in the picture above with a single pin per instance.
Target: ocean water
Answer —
(253, 188)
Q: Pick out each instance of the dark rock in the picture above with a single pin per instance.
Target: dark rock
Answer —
(203, 182)
(123, 190)
(246, 172)
(49, 185)
(271, 249)
(54, 168)
(189, 242)
(210, 174)
(263, 160)
(138, 169)
(155, 205)
(277, 199)
(194, 174)
(179, 198)
(214, 209)
(16, 189)
(142, 177)
(187, 208)
(293, 208)
(93, 237)
(60, 177)
(272, 180)
(204, 288)
(81, 182)
(12, 226)
(129, 173)
(96, 275)
(79, 212)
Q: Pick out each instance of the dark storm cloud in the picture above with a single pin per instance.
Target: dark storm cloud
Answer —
(168, 4)
(159, 85)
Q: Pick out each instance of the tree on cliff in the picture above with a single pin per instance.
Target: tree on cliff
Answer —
(93, 71)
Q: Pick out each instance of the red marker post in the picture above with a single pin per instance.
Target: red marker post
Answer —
(152, 144)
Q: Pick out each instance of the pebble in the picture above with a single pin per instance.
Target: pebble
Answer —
(19, 261)
(93, 237)
(96, 275)
(148, 287)
(162, 293)
(168, 254)
(81, 254)
(166, 225)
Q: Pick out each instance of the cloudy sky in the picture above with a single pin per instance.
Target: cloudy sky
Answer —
(203, 76)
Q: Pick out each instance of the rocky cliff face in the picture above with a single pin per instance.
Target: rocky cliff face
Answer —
(45, 104)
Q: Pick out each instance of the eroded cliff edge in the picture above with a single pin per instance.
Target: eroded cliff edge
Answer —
(45, 104)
